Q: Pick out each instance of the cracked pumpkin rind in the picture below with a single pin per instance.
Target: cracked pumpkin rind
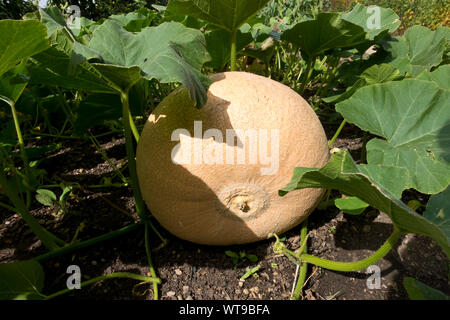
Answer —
(224, 204)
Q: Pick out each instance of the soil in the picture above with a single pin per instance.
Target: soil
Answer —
(189, 271)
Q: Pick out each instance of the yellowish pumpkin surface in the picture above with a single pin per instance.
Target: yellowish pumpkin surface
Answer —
(212, 175)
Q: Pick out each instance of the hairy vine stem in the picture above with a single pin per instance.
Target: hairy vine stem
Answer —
(357, 265)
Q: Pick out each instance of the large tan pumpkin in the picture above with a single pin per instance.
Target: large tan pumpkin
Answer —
(209, 201)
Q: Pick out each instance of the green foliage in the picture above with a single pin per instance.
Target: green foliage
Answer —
(61, 80)
(240, 258)
(288, 12)
(327, 31)
(429, 13)
(21, 281)
(20, 39)
(15, 9)
(226, 14)
(420, 291)
(97, 9)
(341, 173)
(359, 15)
(418, 50)
(351, 205)
(416, 135)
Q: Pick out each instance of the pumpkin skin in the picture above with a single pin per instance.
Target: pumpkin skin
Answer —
(235, 203)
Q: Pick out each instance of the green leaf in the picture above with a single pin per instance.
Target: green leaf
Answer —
(393, 179)
(95, 110)
(226, 14)
(53, 68)
(232, 254)
(14, 81)
(438, 210)
(364, 17)
(351, 205)
(65, 63)
(341, 173)
(168, 53)
(381, 73)
(418, 50)
(45, 197)
(250, 272)
(419, 291)
(327, 31)
(218, 44)
(53, 19)
(135, 21)
(375, 74)
(413, 116)
(67, 191)
(21, 281)
(440, 76)
(20, 40)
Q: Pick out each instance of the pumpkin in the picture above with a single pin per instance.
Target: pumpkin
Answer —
(212, 175)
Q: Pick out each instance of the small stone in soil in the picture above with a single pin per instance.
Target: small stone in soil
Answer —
(170, 294)
(185, 289)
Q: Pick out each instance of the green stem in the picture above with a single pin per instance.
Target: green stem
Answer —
(308, 72)
(7, 207)
(106, 277)
(140, 208)
(338, 132)
(303, 265)
(105, 157)
(77, 246)
(233, 51)
(23, 153)
(150, 262)
(331, 74)
(134, 129)
(357, 265)
(20, 207)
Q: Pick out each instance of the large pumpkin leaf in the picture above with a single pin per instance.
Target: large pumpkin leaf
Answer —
(53, 19)
(438, 210)
(218, 43)
(19, 40)
(65, 62)
(55, 68)
(390, 178)
(366, 18)
(13, 82)
(341, 173)
(379, 73)
(413, 116)
(21, 281)
(326, 32)
(169, 53)
(418, 50)
(226, 14)
(135, 21)
(440, 76)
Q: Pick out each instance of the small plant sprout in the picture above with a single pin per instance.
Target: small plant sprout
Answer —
(240, 258)
(250, 272)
